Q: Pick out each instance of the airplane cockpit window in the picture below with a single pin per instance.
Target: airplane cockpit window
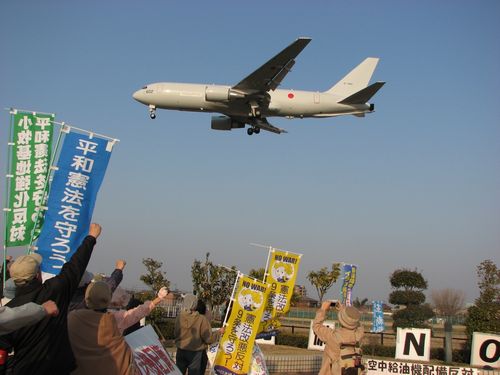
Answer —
(145, 87)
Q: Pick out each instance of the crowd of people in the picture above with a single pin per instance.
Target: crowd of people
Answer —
(64, 326)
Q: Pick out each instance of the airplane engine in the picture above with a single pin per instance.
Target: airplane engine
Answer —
(225, 123)
(221, 94)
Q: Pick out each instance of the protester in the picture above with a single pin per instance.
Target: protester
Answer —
(13, 318)
(116, 277)
(97, 343)
(127, 318)
(193, 334)
(342, 346)
(201, 308)
(8, 260)
(43, 348)
(96, 334)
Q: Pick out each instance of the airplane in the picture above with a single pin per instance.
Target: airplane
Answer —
(256, 97)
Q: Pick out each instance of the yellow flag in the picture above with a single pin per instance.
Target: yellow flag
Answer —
(235, 347)
(281, 274)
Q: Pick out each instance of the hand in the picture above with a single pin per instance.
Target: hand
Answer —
(163, 292)
(95, 230)
(8, 258)
(222, 330)
(50, 308)
(120, 264)
(325, 305)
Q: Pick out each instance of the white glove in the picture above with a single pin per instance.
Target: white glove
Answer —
(162, 293)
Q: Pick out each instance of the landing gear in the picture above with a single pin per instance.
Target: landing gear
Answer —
(251, 131)
(152, 112)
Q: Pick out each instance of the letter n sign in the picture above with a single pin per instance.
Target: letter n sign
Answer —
(485, 350)
(413, 344)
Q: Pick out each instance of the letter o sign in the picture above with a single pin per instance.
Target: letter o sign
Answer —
(485, 350)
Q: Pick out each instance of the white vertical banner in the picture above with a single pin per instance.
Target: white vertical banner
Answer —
(413, 344)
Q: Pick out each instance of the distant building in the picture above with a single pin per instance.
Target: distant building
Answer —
(300, 290)
(306, 301)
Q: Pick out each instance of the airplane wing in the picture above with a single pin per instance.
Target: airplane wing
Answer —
(269, 76)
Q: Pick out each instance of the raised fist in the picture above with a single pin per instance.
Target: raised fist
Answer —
(50, 308)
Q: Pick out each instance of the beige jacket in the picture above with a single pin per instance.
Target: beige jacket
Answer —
(193, 331)
(98, 344)
(333, 339)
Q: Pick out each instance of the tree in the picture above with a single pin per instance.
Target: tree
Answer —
(484, 316)
(212, 283)
(257, 273)
(409, 287)
(360, 304)
(323, 279)
(448, 302)
(155, 278)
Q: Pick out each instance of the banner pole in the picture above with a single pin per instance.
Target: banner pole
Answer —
(266, 274)
(10, 143)
(231, 300)
(45, 188)
(91, 134)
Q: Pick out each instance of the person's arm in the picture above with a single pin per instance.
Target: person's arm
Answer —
(117, 276)
(125, 319)
(71, 273)
(207, 335)
(13, 318)
(323, 332)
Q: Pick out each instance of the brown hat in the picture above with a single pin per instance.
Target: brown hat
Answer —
(349, 317)
(25, 268)
(97, 295)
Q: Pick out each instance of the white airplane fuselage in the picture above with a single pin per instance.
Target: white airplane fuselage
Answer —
(222, 99)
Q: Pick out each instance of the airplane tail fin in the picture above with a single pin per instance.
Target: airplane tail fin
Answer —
(363, 95)
(356, 80)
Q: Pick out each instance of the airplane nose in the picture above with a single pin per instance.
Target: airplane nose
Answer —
(137, 95)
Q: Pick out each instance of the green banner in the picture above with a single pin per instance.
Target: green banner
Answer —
(29, 170)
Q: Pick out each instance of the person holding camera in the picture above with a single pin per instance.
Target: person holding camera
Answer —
(342, 354)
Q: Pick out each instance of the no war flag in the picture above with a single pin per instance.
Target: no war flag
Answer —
(80, 171)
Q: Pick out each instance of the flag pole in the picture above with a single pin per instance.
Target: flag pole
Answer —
(231, 300)
(10, 144)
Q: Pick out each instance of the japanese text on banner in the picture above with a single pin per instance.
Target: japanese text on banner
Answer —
(281, 275)
(348, 281)
(81, 168)
(31, 152)
(235, 347)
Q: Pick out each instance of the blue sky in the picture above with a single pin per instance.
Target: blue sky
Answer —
(415, 184)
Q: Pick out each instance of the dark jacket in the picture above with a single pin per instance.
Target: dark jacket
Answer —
(78, 300)
(44, 348)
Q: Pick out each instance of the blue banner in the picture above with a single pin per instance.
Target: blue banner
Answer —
(348, 280)
(81, 168)
(378, 317)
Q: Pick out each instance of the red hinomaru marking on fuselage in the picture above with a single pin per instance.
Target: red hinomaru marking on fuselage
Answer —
(290, 96)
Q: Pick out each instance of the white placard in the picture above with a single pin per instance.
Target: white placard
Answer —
(314, 342)
(389, 367)
(485, 350)
(149, 355)
(413, 344)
